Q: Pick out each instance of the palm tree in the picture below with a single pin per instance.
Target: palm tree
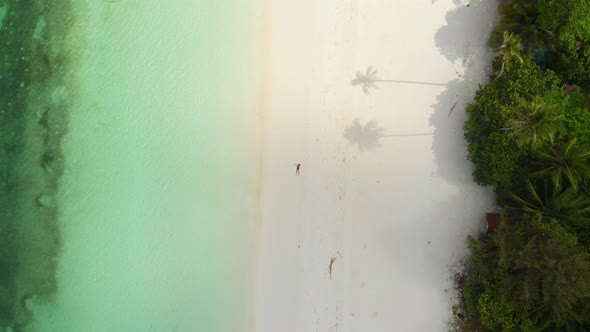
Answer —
(510, 50)
(520, 17)
(536, 122)
(570, 162)
(547, 272)
(551, 200)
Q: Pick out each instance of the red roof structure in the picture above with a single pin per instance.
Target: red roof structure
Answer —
(494, 220)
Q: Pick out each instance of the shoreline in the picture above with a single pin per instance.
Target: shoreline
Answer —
(264, 82)
(37, 162)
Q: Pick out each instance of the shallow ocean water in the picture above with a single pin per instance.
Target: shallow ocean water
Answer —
(129, 164)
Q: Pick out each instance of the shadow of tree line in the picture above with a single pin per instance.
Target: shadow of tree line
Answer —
(461, 40)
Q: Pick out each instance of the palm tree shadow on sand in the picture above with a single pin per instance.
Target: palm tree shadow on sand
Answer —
(369, 79)
(367, 137)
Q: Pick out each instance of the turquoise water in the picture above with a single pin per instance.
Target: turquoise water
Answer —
(129, 164)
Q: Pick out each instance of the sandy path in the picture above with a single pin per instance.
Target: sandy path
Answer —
(390, 212)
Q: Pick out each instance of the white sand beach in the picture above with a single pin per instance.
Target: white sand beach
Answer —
(385, 195)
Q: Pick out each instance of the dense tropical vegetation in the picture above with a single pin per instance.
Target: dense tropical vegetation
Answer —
(528, 134)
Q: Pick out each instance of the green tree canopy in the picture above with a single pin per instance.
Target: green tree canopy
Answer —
(536, 122)
(498, 160)
(520, 17)
(570, 22)
(569, 163)
(547, 273)
(550, 200)
(510, 51)
(528, 134)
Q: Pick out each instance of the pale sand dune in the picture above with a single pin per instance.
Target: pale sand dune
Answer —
(371, 201)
